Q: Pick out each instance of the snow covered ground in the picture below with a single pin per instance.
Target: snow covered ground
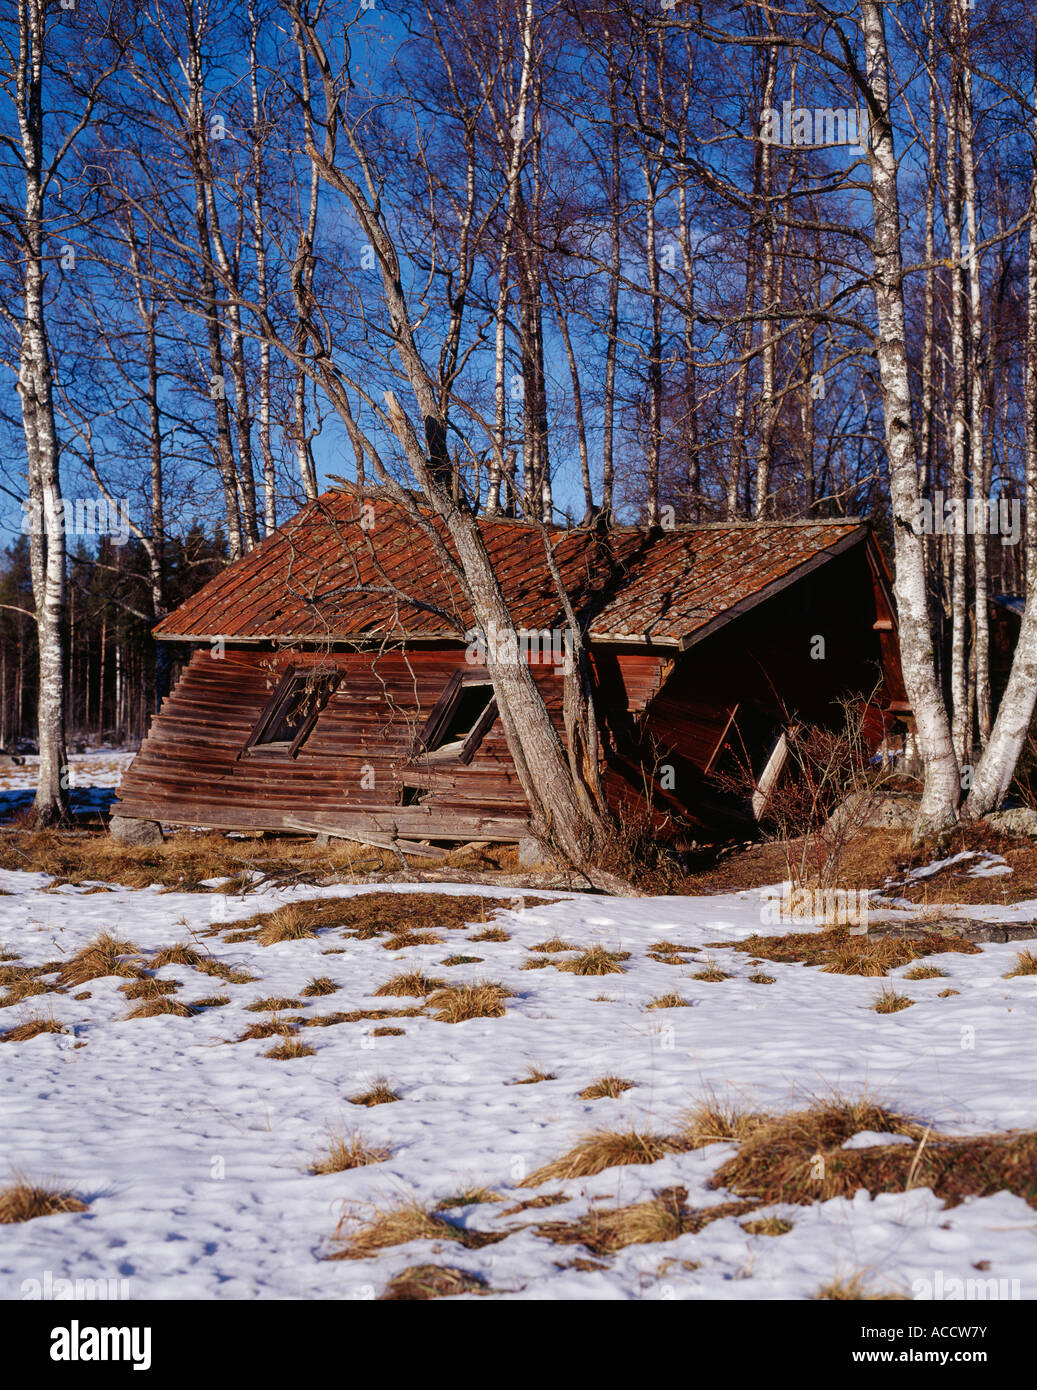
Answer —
(93, 779)
(192, 1149)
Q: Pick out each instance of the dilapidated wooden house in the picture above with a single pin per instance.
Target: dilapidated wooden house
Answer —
(334, 682)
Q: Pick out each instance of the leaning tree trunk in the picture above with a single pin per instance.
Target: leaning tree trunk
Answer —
(942, 792)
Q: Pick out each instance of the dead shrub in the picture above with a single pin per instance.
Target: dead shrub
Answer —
(400, 1224)
(595, 961)
(381, 1093)
(606, 1088)
(152, 1008)
(421, 1282)
(23, 1200)
(345, 1151)
(103, 956)
(459, 1003)
(838, 952)
(411, 983)
(605, 1149)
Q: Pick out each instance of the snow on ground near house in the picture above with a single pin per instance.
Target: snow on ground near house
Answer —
(92, 781)
(192, 1149)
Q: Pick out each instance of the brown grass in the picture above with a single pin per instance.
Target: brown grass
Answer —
(180, 953)
(856, 1288)
(403, 940)
(713, 1122)
(24, 1201)
(458, 1003)
(271, 1005)
(533, 1075)
(421, 1282)
(398, 1225)
(31, 1028)
(288, 1049)
(345, 1151)
(492, 934)
(412, 982)
(605, 1149)
(595, 961)
(798, 1158)
(606, 1088)
(669, 1001)
(946, 993)
(537, 963)
(759, 978)
(151, 1008)
(713, 974)
(839, 953)
(319, 985)
(890, 1002)
(381, 1093)
(272, 1028)
(553, 946)
(293, 922)
(102, 957)
(462, 960)
(768, 1226)
(212, 1001)
(149, 988)
(468, 1197)
(925, 972)
(1025, 964)
(388, 1032)
(605, 1230)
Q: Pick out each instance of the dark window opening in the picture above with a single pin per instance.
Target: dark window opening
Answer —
(411, 796)
(462, 715)
(292, 712)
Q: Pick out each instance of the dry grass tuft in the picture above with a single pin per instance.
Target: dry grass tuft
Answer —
(293, 922)
(31, 1028)
(712, 973)
(319, 985)
(799, 1158)
(553, 946)
(606, 1088)
(605, 1149)
(492, 934)
(715, 1123)
(768, 1226)
(272, 1005)
(462, 960)
(946, 993)
(469, 1197)
(271, 1028)
(1025, 964)
(149, 988)
(421, 1282)
(211, 1001)
(151, 1008)
(855, 1288)
(605, 1230)
(925, 972)
(458, 1003)
(288, 1049)
(177, 954)
(533, 1075)
(890, 1002)
(381, 1093)
(403, 940)
(595, 961)
(398, 1225)
(412, 982)
(102, 957)
(759, 978)
(537, 963)
(837, 952)
(345, 1151)
(24, 1201)
(669, 1001)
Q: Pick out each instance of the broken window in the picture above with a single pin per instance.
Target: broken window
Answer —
(461, 717)
(292, 712)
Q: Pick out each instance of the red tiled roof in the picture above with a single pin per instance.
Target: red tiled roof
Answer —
(338, 572)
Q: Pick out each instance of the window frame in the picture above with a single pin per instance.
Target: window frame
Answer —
(255, 747)
(442, 712)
